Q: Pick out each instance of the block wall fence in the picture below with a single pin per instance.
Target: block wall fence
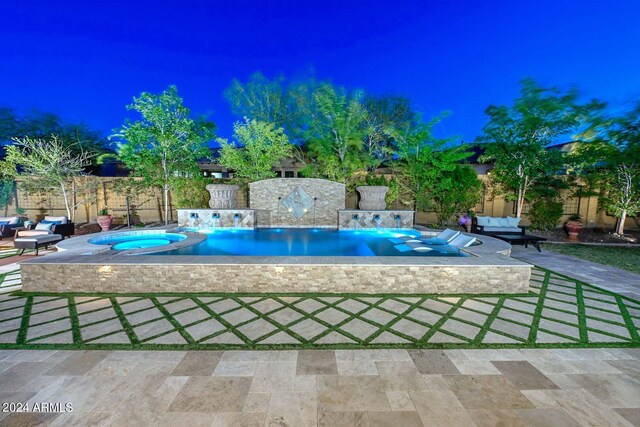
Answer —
(149, 207)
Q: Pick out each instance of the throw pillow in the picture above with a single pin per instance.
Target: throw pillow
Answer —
(513, 222)
(44, 226)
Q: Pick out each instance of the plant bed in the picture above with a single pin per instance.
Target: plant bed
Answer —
(591, 235)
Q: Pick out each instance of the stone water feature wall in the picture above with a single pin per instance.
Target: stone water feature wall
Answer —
(203, 218)
(298, 202)
(367, 219)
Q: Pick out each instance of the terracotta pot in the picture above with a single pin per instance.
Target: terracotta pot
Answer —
(104, 221)
(574, 228)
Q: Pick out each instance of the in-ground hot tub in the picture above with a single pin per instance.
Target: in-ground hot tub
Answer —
(127, 241)
(486, 269)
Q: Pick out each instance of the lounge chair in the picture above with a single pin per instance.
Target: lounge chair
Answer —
(446, 236)
(459, 242)
(35, 239)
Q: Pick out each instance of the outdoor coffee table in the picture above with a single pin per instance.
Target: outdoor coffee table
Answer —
(521, 239)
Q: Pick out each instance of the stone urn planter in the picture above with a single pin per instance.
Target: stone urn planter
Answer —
(372, 197)
(223, 196)
(104, 221)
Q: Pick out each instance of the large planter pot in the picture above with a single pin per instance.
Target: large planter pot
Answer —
(573, 229)
(223, 196)
(372, 197)
(104, 221)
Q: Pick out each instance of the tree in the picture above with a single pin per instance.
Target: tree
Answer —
(422, 160)
(335, 137)
(260, 147)
(41, 125)
(383, 115)
(517, 137)
(51, 164)
(609, 161)
(456, 191)
(166, 143)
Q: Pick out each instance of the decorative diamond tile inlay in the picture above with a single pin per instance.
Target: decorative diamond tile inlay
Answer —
(298, 202)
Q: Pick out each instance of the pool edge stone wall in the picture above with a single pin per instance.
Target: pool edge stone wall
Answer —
(274, 278)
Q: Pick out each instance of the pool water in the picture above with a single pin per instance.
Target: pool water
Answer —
(123, 242)
(313, 242)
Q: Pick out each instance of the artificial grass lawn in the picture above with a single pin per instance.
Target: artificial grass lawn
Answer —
(558, 313)
(626, 258)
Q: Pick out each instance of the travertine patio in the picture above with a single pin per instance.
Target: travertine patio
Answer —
(557, 387)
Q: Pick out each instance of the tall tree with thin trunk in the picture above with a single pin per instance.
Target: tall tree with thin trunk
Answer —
(517, 137)
(51, 164)
(166, 143)
(609, 162)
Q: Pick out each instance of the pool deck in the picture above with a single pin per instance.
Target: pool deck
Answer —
(83, 267)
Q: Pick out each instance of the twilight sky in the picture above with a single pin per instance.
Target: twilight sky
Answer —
(85, 60)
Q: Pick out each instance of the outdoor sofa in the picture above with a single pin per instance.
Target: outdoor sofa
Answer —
(59, 225)
(8, 224)
(492, 226)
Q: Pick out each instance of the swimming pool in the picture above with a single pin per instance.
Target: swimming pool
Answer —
(315, 242)
(127, 241)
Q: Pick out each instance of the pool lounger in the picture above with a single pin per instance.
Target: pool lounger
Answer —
(36, 241)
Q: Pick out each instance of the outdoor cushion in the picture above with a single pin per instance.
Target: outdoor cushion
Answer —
(29, 233)
(500, 222)
(62, 219)
(4, 222)
(503, 229)
(46, 221)
(44, 226)
(10, 219)
(484, 221)
(42, 238)
(513, 222)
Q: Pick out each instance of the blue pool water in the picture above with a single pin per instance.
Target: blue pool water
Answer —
(122, 242)
(313, 242)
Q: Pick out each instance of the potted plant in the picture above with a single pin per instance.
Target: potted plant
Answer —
(574, 226)
(465, 221)
(104, 219)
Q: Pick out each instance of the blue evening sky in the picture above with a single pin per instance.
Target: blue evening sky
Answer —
(86, 60)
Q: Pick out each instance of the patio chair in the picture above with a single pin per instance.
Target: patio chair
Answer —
(61, 225)
(8, 224)
(446, 236)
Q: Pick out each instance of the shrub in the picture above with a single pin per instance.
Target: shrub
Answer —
(545, 214)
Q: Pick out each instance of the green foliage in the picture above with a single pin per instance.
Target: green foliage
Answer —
(166, 143)
(52, 165)
(545, 214)
(421, 161)
(41, 125)
(609, 162)
(456, 191)
(517, 137)
(383, 115)
(191, 192)
(260, 147)
(335, 137)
